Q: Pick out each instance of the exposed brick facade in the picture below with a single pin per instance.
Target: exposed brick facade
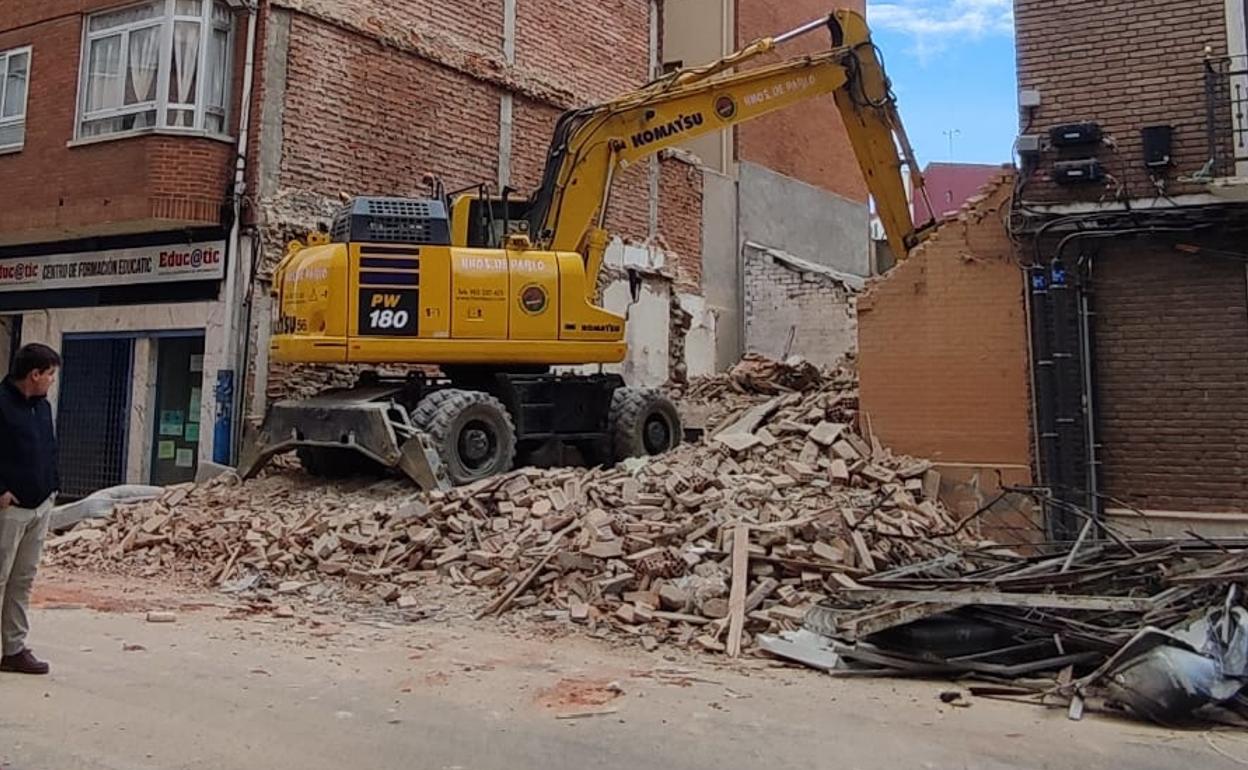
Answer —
(807, 142)
(52, 190)
(1169, 334)
(943, 346)
(1172, 372)
(364, 119)
(377, 96)
(790, 311)
(680, 221)
(943, 357)
(594, 50)
(1126, 64)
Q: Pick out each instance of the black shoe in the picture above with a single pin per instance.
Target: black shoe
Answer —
(24, 662)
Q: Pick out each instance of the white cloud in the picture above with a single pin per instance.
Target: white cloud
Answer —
(935, 25)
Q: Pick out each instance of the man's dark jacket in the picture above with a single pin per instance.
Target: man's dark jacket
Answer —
(27, 447)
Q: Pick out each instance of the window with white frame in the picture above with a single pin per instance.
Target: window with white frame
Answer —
(14, 83)
(162, 64)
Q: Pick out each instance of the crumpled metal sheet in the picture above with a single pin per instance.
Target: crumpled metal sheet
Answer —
(1167, 676)
(809, 649)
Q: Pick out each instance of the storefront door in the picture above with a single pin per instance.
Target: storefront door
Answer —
(93, 413)
(179, 393)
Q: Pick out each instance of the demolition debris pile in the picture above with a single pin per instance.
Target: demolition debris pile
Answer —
(1159, 627)
(708, 545)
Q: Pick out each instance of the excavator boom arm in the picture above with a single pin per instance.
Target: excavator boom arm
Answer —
(591, 144)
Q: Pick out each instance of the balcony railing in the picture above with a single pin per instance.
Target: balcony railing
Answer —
(1226, 115)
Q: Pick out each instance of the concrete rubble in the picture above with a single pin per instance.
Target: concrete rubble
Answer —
(734, 535)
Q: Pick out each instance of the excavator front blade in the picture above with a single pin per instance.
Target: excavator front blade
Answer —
(366, 420)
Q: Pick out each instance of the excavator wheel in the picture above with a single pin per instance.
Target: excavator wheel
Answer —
(644, 422)
(334, 463)
(471, 432)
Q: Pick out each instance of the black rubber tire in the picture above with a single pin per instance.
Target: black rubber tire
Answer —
(334, 463)
(446, 416)
(644, 422)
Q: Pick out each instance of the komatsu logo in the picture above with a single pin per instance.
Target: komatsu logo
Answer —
(680, 125)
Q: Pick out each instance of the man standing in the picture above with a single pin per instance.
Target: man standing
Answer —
(28, 485)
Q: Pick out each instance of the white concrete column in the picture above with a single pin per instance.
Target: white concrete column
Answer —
(142, 400)
(506, 103)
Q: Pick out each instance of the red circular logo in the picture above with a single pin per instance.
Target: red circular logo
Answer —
(725, 107)
(533, 299)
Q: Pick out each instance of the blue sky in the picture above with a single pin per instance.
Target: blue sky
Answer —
(952, 67)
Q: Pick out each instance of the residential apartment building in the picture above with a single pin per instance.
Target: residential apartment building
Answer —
(1131, 213)
(117, 142)
(157, 156)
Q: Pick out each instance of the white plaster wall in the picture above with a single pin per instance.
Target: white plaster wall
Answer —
(806, 221)
(646, 332)
(50, 327)
(701, 340)
(142, 402)
(622, 255)
(721, 267)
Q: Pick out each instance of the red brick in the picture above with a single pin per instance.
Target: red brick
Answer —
(1125, 65)
(1172, 378)
(52, 190)
(806, 141)
(943, 348)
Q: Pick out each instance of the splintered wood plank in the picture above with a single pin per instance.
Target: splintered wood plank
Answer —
(737, 595)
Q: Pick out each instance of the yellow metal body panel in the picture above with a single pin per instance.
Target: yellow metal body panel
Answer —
(479, 294)
(311, 285)
(374, 303)
(435, 292)
(534, 295)
(581, 320)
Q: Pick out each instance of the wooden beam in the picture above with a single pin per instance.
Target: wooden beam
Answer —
(740, 580)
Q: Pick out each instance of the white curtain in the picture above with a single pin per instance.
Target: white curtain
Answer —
(186, 58)
(217, 58)
(104, 83)
(15, 90)
(144, 56)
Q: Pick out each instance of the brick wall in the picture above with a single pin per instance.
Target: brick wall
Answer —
(680, 221)
(1126, 64)
(943, 358)
(51, 190)
(594, 50)
(362, 118)
(807, 141)
(1171, 335)
(370, 109)
(796, 312)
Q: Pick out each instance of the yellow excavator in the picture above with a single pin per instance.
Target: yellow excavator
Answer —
(492, 293)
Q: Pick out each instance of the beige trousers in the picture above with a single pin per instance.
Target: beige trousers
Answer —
(22, 531)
